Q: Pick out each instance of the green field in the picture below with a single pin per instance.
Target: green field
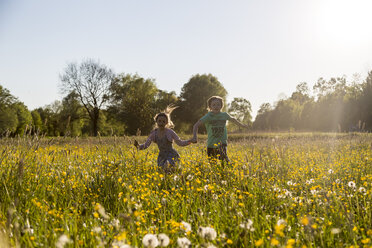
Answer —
(280, 190)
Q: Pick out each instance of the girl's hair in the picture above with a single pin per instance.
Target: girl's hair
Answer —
(166, 113)
(209, 101)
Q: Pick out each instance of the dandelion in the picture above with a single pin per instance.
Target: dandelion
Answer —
(305, 221)
(189, 177)
(210, 246)
(258, 242)
(183, 242)
(207, 233)
(362, 190)
(247, 225)
(185, 226)
(274, 241)
(101, 211)
(163, 240)
(281, 222)
(351, 184)
(330, 171)
(310, 181)
(150, 240)
(120, 244)
(62, 241)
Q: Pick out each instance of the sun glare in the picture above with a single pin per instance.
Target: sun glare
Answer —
(345, 21)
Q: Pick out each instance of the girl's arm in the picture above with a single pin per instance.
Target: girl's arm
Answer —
(177, 139)
(147, 143)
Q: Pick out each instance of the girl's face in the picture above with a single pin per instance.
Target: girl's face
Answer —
(216, 106)
(162, 121)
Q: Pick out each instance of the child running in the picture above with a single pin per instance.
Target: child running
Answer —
(164, 136)
(215, 123)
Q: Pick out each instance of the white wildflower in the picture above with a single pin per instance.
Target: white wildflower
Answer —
(163, 240)
(330, 171)
(335, 230)
(214, 196)
(183, 242)
(101, 211)
(210, 246)
(186, 227)
(206, 187)
(310, 181)
(189, 177)
(362, 190)
(150, 240)
(247, 225)
(281, 222)
(314, 191)
(62, 241)
(207, 233)
(351, 184)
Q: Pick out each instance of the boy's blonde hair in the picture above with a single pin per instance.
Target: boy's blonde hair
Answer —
(209, 101)
(166, 113)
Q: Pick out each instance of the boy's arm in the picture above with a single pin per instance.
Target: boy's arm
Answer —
(235, 121)
(195, 131)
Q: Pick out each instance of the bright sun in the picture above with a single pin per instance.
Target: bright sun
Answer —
(345, 21)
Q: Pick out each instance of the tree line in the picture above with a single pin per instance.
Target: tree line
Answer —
(99, 102)
(334, 105)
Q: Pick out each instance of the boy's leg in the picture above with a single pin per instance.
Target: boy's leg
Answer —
(222, 150)
(212, 154)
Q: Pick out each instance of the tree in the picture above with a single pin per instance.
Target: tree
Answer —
(8, 116)
(194, 96)
(366, 101)
(37, 123)
(261, 121)
(241, 109)
(91, 81)
(133, 102)
(72, 115)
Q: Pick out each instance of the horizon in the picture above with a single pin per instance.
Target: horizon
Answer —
(258, 51)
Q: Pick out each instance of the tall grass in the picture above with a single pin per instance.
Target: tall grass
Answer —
(290, 190)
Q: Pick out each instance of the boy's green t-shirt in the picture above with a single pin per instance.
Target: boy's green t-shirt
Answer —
(215, 123)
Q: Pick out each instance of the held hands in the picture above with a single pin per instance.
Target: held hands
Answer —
(193, 140)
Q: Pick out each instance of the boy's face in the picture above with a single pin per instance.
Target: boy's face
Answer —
(216, 105)
(162, 121)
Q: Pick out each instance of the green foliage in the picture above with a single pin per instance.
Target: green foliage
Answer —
(133, 101)
(241, 109)
(194, 96)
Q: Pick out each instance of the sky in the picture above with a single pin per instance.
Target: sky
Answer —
(258, 49)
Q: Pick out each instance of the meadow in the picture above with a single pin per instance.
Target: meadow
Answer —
(280, 190)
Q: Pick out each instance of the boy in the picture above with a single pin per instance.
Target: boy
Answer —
(215, 123)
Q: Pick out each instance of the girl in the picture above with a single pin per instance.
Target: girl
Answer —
(163, 136)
